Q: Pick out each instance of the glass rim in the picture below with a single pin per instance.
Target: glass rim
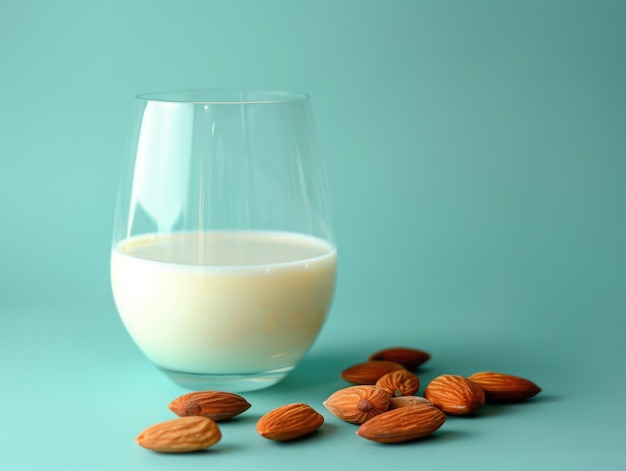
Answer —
(224, 97)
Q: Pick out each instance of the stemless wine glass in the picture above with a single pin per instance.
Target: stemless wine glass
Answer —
(223, 263)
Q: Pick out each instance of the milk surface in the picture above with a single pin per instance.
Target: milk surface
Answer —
(223, 302)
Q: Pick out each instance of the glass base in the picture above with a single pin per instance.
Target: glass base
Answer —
(226, 382)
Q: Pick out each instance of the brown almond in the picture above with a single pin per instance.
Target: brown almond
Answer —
(404, 424)
(399, 383)
(289, 422)
(216, 405)
(369, 372)
(455, 394)
(181, 435)
(410, 358)
(407, 401)
(357, 404)
(502, 387)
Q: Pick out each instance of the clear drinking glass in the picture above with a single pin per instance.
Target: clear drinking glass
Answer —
(223, 263)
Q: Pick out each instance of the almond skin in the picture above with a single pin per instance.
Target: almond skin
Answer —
(502, 387)
(407, 401)
(410, 358)
(216, 405)
(455, 394)
(180, 435)
(403, 424)
(358, 404)
(289, 422)
(370, 371)
(399, 383)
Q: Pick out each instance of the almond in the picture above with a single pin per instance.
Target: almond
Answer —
(410, 358)
(215, 405)
(455, 394)
(181, 435)
(399, 383)
(357, 404)
(404, 424)
(289, 422)
(370, 371)
(501, 387)
(407, 401)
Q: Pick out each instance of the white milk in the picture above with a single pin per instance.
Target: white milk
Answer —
(223, 302)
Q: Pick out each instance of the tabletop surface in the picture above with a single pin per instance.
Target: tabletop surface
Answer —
(79, 392)
(476, 158)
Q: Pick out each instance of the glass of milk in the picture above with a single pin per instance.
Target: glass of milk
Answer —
(223, 263)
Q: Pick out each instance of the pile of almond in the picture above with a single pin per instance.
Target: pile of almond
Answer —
(382, 400)
(384, 403)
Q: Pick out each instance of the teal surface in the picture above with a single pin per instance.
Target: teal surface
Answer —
(476, 153)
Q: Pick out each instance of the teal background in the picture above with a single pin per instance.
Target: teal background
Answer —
(476, 156)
